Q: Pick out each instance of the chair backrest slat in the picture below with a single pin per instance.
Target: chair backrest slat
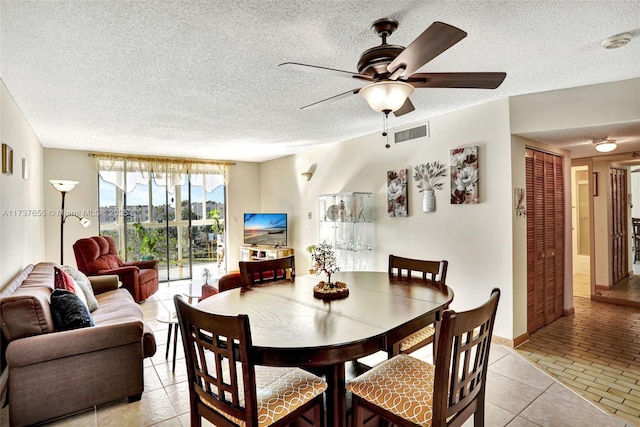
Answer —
(254, 272)
(462, 355)
(435, 271)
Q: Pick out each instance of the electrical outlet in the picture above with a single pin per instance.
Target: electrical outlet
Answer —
(308, 215)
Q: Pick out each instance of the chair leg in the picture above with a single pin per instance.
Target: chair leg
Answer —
(357, 415)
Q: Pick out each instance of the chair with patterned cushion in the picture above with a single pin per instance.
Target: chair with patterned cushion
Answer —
(254, 272)
(433, 271)
(407, 391)
(227, 388)
(98, 255)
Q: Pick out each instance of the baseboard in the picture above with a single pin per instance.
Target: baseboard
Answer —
(603, 287)
(568, 311)
(511, 343)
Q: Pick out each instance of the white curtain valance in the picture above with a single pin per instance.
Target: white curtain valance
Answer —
(126, 172)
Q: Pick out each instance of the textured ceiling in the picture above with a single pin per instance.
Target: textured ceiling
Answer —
(200, 78)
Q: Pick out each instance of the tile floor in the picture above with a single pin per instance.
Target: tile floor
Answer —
(518, 393)
(596, 352)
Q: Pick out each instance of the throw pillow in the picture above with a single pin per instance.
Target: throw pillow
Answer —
(63, 281)
(68, 311)
(84, 284)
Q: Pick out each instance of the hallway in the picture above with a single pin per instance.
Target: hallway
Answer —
(596, 352)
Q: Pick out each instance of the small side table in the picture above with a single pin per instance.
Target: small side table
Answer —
(170, 317)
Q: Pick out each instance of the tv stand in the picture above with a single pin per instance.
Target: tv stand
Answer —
(259, 252)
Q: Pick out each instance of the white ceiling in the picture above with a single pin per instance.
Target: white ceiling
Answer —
(200, 78)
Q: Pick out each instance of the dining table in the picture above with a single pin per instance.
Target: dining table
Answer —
(291, 327)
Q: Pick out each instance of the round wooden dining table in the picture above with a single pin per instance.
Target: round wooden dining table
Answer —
(290, 327)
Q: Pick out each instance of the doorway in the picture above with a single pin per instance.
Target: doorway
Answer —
(580, 229)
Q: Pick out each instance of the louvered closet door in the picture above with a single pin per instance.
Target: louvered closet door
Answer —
(618, 211)
(545, 238)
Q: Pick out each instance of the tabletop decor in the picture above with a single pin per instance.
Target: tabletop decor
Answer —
(429, 178)
(324, 259)
(464, 175)
(206, 275)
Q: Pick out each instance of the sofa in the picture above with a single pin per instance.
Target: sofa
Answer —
(56, 373)
(98, 255)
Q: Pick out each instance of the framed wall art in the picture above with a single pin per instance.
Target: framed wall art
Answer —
(464, 175)
(7, 159)
(397, 202)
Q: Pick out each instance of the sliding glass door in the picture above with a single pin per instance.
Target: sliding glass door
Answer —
(180, 225)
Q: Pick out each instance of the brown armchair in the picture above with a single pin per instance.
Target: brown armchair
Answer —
(98, 255)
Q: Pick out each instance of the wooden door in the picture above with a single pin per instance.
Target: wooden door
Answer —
(618, 214)
(545, 238)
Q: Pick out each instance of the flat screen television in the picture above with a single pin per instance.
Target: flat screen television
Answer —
(269, 229)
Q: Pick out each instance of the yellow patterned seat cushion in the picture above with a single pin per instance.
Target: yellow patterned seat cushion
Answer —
(281, 391)
(423, 334)
(402, 385)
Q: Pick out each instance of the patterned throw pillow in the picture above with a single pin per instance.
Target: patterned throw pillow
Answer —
(62, 280)
(84, 284)
(68, 311)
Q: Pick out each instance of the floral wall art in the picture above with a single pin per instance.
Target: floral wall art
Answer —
(429, 177)
(397, 202)
(464, 175)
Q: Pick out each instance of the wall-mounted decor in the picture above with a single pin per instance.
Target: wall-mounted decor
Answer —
(519, 201)
(464, 175)
(7, 159)
(25, 169)
(429, 178)
(397, 202)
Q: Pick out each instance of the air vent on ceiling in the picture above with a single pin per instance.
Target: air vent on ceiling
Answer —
(413, 133)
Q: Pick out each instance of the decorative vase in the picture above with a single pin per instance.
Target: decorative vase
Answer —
(428, 201)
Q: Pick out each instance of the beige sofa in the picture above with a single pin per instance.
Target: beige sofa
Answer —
(51, 373)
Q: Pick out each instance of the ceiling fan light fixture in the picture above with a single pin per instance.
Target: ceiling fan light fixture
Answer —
(386, 96)
(605, 146)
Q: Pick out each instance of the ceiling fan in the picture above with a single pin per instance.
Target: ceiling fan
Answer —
(390, 70)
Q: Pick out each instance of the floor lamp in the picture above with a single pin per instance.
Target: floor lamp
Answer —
(64, 186)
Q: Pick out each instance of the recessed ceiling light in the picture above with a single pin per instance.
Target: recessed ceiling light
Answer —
(616, 41)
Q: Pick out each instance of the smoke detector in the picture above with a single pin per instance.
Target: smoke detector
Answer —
(616, 41)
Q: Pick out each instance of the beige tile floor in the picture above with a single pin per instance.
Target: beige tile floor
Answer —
(518, 393)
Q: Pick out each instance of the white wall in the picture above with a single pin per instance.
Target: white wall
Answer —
(76, 166)
(475, 239)
(21, 235)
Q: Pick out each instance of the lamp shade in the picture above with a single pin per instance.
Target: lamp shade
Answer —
(606, 146)
(386, 96)
(63, 185)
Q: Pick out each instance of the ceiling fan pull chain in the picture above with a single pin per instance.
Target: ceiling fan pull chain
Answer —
(385, 127)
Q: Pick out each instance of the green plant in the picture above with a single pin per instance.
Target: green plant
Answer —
(218, 221)
(311, 249)
(148, 239)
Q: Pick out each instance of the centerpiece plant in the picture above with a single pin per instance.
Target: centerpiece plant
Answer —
(324, 259)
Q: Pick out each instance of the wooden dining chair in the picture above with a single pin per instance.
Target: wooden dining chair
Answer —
(254, 272)
(227, 388)
(433, 271)
(407, 391)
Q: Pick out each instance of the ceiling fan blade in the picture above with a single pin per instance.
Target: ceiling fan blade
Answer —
(457, 80)
(333, 98)
(431, 43)
(407, 107)
(323, 70)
